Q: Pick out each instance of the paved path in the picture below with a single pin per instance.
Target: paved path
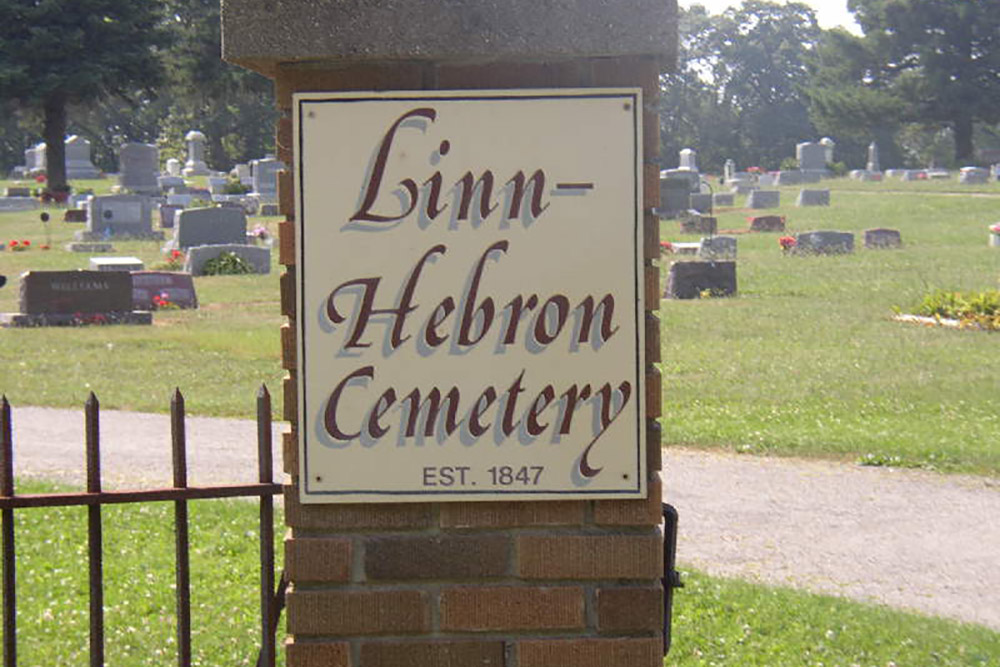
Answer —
(910, 539)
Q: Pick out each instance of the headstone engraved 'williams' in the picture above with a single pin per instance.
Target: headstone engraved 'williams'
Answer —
(470, 295)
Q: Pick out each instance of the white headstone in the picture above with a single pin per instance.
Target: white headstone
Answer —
(173, 167)
(873, 161)
(195, 165)
(688, 159)
(78, 164)
(829, 145)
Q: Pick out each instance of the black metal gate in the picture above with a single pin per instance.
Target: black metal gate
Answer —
(271, 598)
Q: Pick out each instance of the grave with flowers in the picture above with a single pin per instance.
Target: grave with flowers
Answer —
(69, 298)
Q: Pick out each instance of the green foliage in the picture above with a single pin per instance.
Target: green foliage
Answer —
(227, 264)
(981, 309)
(737, 92)
(920, 61)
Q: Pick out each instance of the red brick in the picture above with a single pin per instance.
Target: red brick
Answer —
(443, 653)
(654, 445)
(437, 557)
(318, 559)
(654, 392)
(287, 286)
(634, 609)
(652, 335)
(506, 608)
(650, 236)
(290, 452)
(512, 514)
(650, 186)
(288, 350)
(286, 191)
(633, 71)
(590, 556)
(646, 512)
(286, 243)
(289, 396)
(590, 653)
(651, 294)
(299, 654)
(349, 613)
(293, 78)
(369, 516)
(510, 75)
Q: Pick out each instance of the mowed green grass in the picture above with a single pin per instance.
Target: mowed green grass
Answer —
(716, 621)
(807, 360)
(218, 355)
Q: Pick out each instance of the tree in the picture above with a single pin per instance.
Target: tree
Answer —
(233, 106)
(739, 89)
(939, 58)
(54, 53)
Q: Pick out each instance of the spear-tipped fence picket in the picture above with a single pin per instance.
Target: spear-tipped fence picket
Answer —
(271, 598)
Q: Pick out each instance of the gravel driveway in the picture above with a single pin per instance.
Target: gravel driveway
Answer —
(910, 539)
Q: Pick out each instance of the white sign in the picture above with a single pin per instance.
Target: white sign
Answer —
(470, 316)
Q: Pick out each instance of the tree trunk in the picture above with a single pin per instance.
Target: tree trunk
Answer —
(964, 152)
(54, 133)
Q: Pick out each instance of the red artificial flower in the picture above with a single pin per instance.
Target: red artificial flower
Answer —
(40, 178)
(176, 254)
(13, 244)
(666, 246)
(26, 243)
(44, 246)
(787, 242)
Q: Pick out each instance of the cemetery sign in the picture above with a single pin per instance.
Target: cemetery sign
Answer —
(469, 295)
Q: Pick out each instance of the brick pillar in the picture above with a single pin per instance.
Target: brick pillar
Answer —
(571, 583)
(525, 584)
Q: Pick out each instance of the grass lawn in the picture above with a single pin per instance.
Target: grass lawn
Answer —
(716, 621)
(807, 361)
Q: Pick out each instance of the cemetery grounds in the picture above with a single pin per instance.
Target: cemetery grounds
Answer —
(806, 362)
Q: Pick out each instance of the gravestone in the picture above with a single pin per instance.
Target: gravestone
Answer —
(195, 165)
(17, 191)
(873, 165)
(973, 176)
(18, 204)
(116, 264)
(729, 170)
(241, 172)
(78, 164)
(265, 178)
(701, 203)
(894, 173)
(881, 238)
(690, 280)
(34, 159)
(741, 187)
(723, 199)
(914, 175)
(208, 226)
(675, 196)
(75, 297)
(177, 288)
(717, 247)
(688, 159)
(269, 209)
(118, 216)
(140, 164)
(766, 180)
(938, 174)
(258, 257)
(764, 199)
(812, 157)
(75, 215)
(89, 247)
(695, 223)
(217, 184)
(168, 213)
(829, 148)
(170, 183)
(767, 223)
(786, 178)
(182, 200)
(824, 243)
(173, 167)
(813, 198)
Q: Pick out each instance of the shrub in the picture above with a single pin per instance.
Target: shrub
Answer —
(226, 264)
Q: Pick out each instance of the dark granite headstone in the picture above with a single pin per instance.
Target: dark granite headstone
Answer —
(52, 292)
(75, 215)
(688, 280)
(209, 226)
(699, 224)
(178, 288)
(767, 223)
(824, 243)
(881, 238)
